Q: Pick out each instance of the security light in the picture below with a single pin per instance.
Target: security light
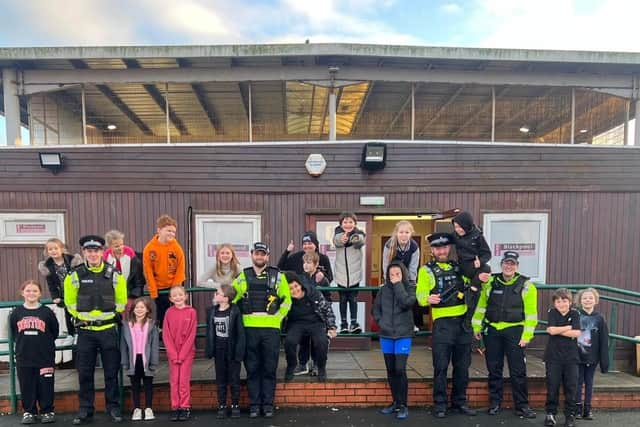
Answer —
(524, 129)
(374, 156)
(52, 161)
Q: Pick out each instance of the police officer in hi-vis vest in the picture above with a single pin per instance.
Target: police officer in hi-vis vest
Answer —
(442, 286)
(95, 293)
(507, 313)
(264, 299)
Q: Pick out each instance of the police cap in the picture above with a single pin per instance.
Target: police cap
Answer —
(510, 256)
(92, 241)
(439, 239)
(260, 246)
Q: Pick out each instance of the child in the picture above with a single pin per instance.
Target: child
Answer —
(35, 329)
(561, 357)
(57, 264)
(348, 240)
(139, 348)
(226, 268)
(593, 344)
(128, 264)
(226, 343)
(472, 249)
(403, 248)
(163, 263)
(393, 312)
(178, 335)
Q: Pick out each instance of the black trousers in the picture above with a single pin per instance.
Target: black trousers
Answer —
(305, 350)
(261, 363)
(349, 298)
(227, 375)
(89, 344)
(36, 389)
(162, 305)
(501, 343)
(470, 271)
(567, 375)
(138, 377)
(396, 365)
(296, 333)
(451, 344)
(585, 377)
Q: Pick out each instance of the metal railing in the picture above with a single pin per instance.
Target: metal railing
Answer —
(612, 322)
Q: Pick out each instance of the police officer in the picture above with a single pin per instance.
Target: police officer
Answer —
(95, 295)
(508, 312)
(264, 298)
(442, 286)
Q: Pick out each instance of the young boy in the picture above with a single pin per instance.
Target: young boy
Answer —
(472, 249)
(348, 240)
(561, 357)
(226, 343)
(163, 263)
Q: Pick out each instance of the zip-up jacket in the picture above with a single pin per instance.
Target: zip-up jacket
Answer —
(321, 307)
(529, 295)
(48, 269)
(151, 350)
(348, 271)
(236, 343)
(393, 309)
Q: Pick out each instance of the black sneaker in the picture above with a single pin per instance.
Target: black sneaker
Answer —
(268, 411)
(82, 418)
(344, 329)
(587, 414)
(526, 412)
(235, 411)
(465, 410)
(254, 411)
(222, 412)
(494, 410)
(184, 414)
(355, 328)
(388, 410)
(439, 412)
(174, 415)
(570, 421)
(116, 415)
(402, 413)
(289, 373)
(301, 369)
(550, 420)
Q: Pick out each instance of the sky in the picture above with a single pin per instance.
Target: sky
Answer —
(609, 25)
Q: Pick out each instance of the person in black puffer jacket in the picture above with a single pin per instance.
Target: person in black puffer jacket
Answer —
(473, 251)
(393, 312)
(310, 315)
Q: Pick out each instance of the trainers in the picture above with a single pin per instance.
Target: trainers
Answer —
(587, 414)
(344, 329)
(526, 412)
(288, 374)
(402, 413)
(116, 415)
(174, 415)
(465, 410)
(312, 368)
(301, 370)
(267, 411)
(81, 418)
(28, 418)
(569, 421)
(253, 412)
(355, 328)
(235, 411)
(388, 410)
(47, 418)
(148, 414)
(322, 374)
(222, 412)
(494, 410)
(137, 415)
(550, 420)
(184, 414)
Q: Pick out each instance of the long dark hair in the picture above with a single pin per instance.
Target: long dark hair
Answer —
(403, 269)
(148, 303)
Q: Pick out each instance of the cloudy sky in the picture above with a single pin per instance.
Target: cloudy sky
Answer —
(609, 25)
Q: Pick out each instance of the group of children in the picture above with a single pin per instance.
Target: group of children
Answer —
(577, 343)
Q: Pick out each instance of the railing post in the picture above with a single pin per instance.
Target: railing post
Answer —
(613, 320)
(12, 375)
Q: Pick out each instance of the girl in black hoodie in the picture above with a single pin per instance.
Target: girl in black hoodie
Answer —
(593, 344)
(393, 312)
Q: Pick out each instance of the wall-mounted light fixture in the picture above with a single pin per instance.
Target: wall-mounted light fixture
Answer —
(52, 161)
(374, 156)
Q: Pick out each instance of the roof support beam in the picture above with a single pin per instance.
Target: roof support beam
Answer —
(480, 110)
(42, 80)
(159, 99)
(441, 109)
(362, 107)
(547, 93)
(405, 104)
(200, 93)
(244, 94)
(115, 100)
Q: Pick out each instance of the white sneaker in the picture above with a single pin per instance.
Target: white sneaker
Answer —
(148, 414)
(137, 414)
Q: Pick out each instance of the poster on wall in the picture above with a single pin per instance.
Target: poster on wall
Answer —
(30, 228)
(325, 231)
(241, 231)
(525, 233)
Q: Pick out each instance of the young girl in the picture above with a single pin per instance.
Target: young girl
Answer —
(35, 329)
(125, 260)
(57, 264)
(139, 350)
(348, 240)
(226, 343)
(179, 334)
(393, 311)
(226, 268)
(403, 248)
(593, 344)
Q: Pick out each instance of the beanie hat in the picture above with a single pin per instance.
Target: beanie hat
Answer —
(310, 236)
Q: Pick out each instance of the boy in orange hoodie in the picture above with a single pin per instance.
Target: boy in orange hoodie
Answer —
(163, 263)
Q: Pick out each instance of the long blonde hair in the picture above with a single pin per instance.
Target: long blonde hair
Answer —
(393, 246)
(55, 240)
(234, 263)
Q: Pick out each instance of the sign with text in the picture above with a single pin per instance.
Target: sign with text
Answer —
(30, 228)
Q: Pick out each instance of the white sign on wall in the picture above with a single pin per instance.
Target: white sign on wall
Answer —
(30, 228)
(241, 231)
(525, 233)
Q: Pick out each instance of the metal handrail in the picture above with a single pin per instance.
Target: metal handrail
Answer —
(197, 289)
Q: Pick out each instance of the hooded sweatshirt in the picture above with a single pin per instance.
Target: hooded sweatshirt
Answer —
(293, 261)
(472, 244)
(593, 340)
(163, 264)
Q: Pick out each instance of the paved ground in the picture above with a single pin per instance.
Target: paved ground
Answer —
(418, 417)
(353, 365)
